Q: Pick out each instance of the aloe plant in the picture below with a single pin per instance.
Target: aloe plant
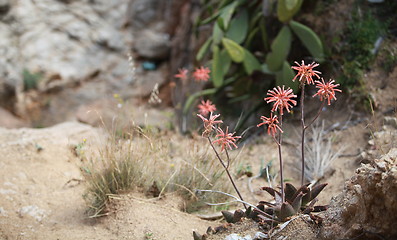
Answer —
(297, 200)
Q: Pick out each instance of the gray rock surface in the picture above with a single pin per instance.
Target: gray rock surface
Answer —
(65, 43)
(367, 207)
(152, 44)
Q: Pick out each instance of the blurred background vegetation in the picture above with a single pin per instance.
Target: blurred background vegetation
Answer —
(250, 47)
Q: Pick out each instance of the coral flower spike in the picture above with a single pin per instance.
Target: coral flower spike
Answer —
(306, 72)
(201, 74)
(282, 98)
(182, 74)
(206, 107)
(226, 139)
(272, 124)
(326, 90)
(209, 123)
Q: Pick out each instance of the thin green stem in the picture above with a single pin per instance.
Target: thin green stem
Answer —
(227, 171)
(318, 114)
(303, 133)
(228, 159)
(281, 160)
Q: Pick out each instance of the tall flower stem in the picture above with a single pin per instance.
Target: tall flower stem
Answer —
(304, 127)
(281, 161)
(320, 110)
(227, 170)
(303, 133)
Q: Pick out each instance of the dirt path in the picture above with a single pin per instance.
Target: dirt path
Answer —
(41, 196)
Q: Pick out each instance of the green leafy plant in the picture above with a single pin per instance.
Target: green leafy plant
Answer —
(252, 37)
(358, 44)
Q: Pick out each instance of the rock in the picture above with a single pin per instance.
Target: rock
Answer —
(147, 80)
(33, 211)
(151, 44)
(142, 13)
(109, 113)
(65, 43)
(383, 140)
(75, 45)
(391, 121)
(235, 236)
(367, 207)
(7, 120)
(10, 66)
(5, 6)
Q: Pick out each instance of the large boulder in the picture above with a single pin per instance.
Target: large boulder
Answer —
(367, 208)
(54, 45)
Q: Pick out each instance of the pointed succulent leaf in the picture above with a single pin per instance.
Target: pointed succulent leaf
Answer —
(312, 202)
(297, 203)
(290, 191)
(261, 206)
(284, 76)
(217, 35)
(221, 24)
(286, 211)
(197, 236)
(251, 63)
(238, 214)
(217, 69)
(280, 48)
(236, 52)
(226, 61)
(208, 20)
(267, 203)
(278, 198)
(248, 211)
(309, 39)
(238, 27)
(316, 190)
(204, 49)
(303, 189)
(265, 69)
(210, 230)
(306, 197)
(320, 208)
(270, 190)
(226, 15)
(228, 216)
(282, 42)
(286, 9)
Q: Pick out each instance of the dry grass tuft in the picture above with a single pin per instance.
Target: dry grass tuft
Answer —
(319, 153)
(141, 159)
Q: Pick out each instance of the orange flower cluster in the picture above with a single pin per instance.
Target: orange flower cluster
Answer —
(283, 98)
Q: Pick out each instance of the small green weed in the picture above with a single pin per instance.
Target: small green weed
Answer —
(30, 80)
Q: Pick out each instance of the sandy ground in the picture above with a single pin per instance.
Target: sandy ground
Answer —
(41, 193)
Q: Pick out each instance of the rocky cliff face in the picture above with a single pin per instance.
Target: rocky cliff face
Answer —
(367, 207)
(48, 45)
(60, 54)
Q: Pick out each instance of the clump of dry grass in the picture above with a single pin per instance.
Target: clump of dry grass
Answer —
(141, 159)
(319, 153)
